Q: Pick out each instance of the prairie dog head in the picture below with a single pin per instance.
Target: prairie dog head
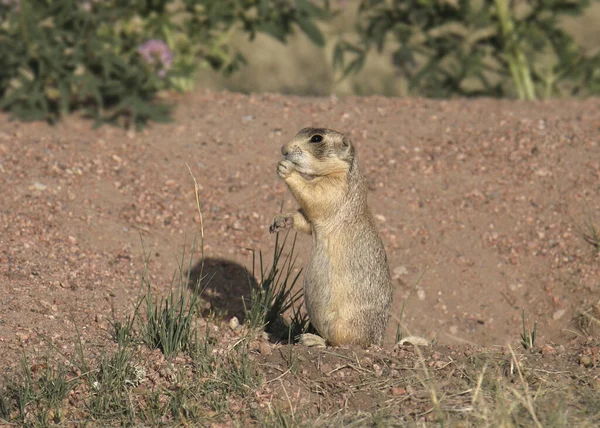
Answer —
(319, 152)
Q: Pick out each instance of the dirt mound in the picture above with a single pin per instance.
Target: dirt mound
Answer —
(497, 202)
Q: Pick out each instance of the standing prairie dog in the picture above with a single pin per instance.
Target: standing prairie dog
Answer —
(347, 287)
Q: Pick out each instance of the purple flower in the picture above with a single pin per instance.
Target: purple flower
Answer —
(156, 51)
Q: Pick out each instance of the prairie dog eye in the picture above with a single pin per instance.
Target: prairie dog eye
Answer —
(316, 138)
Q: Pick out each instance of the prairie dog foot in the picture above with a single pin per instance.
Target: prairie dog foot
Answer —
(312, 340)
(415, 341)
(281, 221)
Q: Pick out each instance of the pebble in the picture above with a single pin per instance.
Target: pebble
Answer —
(398, 391)
(399, 271)
(547, 350)
(585, 361)
(378, 370)
(414, 341)
(38, 186)
(234, 323)
(49, 306)
(380, 218)
(264, 349)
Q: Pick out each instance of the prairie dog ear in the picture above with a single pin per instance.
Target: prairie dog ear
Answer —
(347, 149)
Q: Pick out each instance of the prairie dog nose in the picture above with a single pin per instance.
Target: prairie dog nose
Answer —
(285, 150)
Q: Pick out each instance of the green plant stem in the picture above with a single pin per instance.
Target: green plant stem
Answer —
(517, 61)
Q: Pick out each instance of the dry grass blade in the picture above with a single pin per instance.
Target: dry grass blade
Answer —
(399, 319)
(198, 206)
(525, 398)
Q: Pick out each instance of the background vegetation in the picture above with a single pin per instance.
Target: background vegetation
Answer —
(111, 59)
(300, 68)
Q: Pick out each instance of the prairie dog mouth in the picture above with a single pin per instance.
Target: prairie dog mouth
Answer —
(307, 177)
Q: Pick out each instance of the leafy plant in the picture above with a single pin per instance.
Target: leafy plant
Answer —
(275, 18)
(58, 57)
(109, 59)
(476, 47)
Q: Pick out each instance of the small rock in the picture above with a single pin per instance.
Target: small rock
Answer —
(547, 350)
(49, 306)
(38, 186)
(399, 271)
(398, 391)
(380, 218)
(326, 369)
(378, 370)
(264, 349)
(234, 323)
(558, 314)
(585, 361)
(414, 341)
(23, 336)
(541, 125)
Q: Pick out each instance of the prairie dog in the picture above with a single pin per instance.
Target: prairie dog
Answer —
(347, 286)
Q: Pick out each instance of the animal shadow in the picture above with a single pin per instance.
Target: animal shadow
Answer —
(226, 286)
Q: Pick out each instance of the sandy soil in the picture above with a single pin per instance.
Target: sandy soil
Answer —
(490, 200)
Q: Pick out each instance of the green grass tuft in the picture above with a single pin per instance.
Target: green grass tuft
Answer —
(169, 321)
(275, 296)
(109, 384)
(36, 395)
(592, 236)
(528, 336)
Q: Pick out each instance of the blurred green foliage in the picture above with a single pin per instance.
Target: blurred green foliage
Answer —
(476, 47)
(110, 58)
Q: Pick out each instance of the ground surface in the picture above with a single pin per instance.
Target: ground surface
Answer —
(494, 202)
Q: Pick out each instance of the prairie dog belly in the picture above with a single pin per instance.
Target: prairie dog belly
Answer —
(337, 282)
(317, 289)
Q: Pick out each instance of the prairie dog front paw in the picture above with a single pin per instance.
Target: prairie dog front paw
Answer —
(285, 168)
(281, 221)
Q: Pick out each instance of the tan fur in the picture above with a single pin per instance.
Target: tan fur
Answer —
(347, 287)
